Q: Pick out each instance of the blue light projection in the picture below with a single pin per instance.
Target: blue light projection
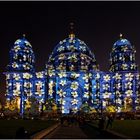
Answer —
(72, 77)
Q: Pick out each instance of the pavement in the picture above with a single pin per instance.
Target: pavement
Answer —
(67, 132)
(41, 134)
(76, 131)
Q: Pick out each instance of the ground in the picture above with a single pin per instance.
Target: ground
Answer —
(71, 130)
(8, 128)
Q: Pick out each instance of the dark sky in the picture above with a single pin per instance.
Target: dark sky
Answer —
(98, 24)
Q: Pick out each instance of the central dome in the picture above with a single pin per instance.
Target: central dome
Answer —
(72, 54)
(72, 44)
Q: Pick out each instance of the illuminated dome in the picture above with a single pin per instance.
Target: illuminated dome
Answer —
(122, 43)
(72, 54)
(21, 56)
(122, 57)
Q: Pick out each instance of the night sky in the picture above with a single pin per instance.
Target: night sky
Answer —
(98, 24)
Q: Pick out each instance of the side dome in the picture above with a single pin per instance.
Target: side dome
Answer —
(122, 57)
(72, 54)
(21, 56)
(122, 44)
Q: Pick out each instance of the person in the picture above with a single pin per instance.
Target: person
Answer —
(109, 121)
(101, 124)
(62, 120)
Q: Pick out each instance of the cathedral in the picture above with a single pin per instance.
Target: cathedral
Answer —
(72, 77)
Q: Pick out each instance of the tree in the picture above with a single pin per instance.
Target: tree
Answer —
(34, 108)
(50, 105)
(85, 108)
(11, 108)
(110, 109)
(92, 110)
(0, 106)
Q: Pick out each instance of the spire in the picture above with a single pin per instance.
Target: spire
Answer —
(71, 35)
(24, 35)
(121, 36)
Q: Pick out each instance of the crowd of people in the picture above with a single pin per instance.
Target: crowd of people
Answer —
(71, 120)
(104, 122)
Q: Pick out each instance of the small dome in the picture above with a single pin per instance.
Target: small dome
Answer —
(122, 43)
(122, 57)
(72, 54)
(21, 56)
(22, 42)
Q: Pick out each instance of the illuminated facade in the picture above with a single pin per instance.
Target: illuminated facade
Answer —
(72, 77)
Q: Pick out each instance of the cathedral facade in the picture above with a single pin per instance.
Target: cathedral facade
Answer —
(72, 77)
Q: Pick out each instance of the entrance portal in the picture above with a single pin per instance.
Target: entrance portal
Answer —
(71, 103)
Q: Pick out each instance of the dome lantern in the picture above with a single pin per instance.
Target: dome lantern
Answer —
(121, 35)
(71, 35)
